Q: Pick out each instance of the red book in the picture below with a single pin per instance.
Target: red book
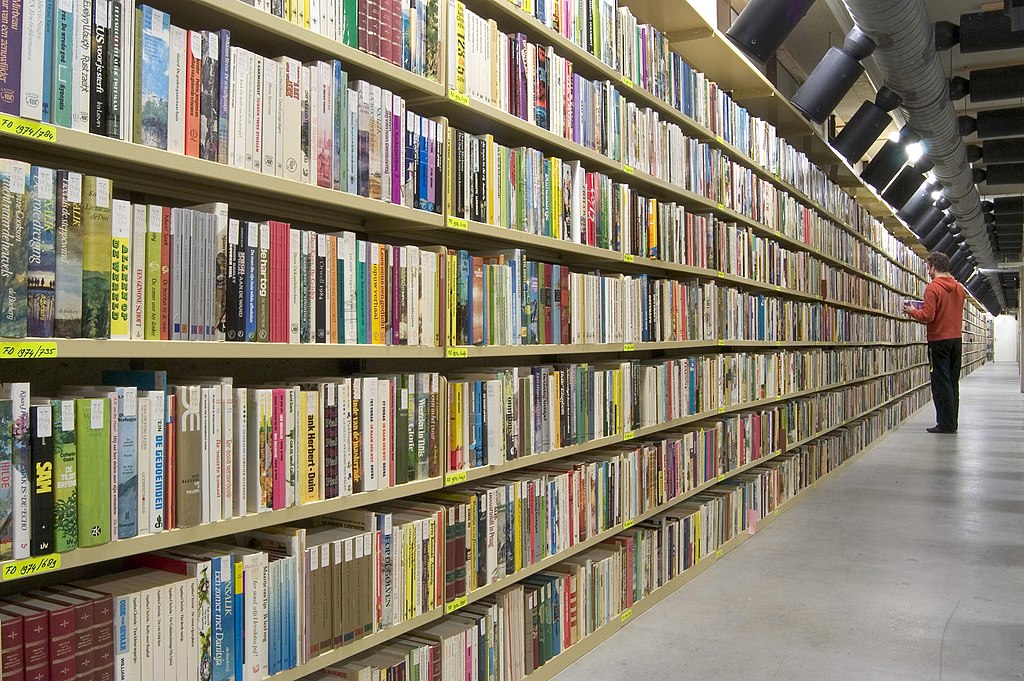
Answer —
(563, 292)
(12, 657)
(85, 627)
(478, 300)
(165, 274)
(193, 95)
(548, 302)
(373, 27)
(281, 255)
(61, 637)
(35, 637)
(362, 12)
(397, 299)
(170, 466)
(83, 636)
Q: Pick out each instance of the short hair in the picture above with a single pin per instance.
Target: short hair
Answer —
(940, 261)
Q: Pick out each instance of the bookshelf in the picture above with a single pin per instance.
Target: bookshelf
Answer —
(854, 245)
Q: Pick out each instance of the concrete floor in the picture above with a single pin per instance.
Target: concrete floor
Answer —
(908, 565)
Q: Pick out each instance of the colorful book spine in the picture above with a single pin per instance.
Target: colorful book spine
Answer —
(92, 445)
(13, 249)
(21, 466)
(10, 62)
(96, 229)
(63, 66)
(6, 482)
(120, 270)
(41, 253)
(65, 473)
(68, 246)
(127, 462)
(42, 480)
(152, 36)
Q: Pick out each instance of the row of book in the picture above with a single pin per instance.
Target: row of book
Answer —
(141, 455)
(512, 633)
(524, 190)
(265, 601)
(402, 33)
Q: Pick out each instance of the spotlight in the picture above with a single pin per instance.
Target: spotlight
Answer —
(764, 25)
(833, 77)
(890, 158)
(866, 125)
(903, 188)
(914, 152)
(936, 195)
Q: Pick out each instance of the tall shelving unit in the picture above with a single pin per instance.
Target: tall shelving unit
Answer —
(977, 337)
(143, 170)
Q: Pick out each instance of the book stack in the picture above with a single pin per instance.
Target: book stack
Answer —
(401, 34)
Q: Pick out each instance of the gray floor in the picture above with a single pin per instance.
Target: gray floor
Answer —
(908, 565)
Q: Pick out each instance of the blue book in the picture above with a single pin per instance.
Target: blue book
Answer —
(340, 114)
(152, 64)
(141, 379)
(478, 426)
(423, 197)
(274, 604)
(127, 462)
(48, 62)
(62, 62)
(42, 262)
(224, 99)
(252, 233)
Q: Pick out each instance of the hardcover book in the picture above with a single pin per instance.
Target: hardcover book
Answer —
(152, 60)
(96, 229)
(92, 444)
(65, 473)
(41, 256)
(14, 200)
(42, 480)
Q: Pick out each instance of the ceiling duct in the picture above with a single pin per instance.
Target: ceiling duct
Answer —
(990, 85)
(906, 55)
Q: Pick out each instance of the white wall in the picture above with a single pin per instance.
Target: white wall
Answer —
(1005, 338)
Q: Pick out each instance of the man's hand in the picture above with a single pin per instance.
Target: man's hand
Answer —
(907, 307)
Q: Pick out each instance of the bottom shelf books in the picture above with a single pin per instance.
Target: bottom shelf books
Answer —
(516, 631)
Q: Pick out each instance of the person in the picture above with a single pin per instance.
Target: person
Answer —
(943, 313)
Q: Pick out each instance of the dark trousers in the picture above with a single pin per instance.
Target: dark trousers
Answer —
(944, 357)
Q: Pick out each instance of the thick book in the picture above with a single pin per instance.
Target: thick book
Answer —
(120, 270)
(92, 444)
(152, 65)
(65, 474)
(68, 245)
(99, 76)
(41, 418)
(41, 252)
(10, 62)
(96, 229)
(14, 178)
(127, 462)
(188, 456)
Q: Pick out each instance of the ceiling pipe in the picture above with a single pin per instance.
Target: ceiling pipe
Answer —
(906, 55)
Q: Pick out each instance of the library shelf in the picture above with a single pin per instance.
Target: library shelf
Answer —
(269, 35)
(589, 643)
(340, 654)
(591, 66)
(187, 178)
(253, 521)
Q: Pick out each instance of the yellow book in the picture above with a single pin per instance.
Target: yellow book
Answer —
(432, 592)
(376, 314)
(305, 13)
(460, 42)
(652, 228)
(449, 194)
(555, 171)
(309, 438)
(409, 570)
(460, 456)
(120, 269)
(452, 284)
(153, 272)
(492, 34)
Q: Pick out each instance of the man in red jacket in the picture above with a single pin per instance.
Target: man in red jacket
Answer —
(943, 312)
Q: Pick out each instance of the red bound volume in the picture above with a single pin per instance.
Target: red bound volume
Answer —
(85, 628)
(62, 634)
(12, 657)
(563, 292)
(362, 12)
(35, 637)
(373, 27)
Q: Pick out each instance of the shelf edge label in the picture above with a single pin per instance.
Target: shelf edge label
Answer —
(628, 347)
(628, 257)
(627, 614)
(452, 606)
(33, 130)
(458, 97)
(28, 350)
(457, 223)
(628, 170)
(626, 524)
(629, 435)
(718, 553)
(455, 478)
(31, 566)
(456, 353)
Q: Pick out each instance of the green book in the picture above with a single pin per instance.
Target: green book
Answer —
(96, 228)
(14, 205)
(153, 271)
(92, 442)
(350, 34)
(65, 475)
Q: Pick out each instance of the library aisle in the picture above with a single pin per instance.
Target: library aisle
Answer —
(907, 565)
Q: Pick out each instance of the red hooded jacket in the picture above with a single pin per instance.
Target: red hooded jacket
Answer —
(943, 309)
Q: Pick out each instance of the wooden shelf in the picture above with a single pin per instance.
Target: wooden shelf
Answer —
(186, 179)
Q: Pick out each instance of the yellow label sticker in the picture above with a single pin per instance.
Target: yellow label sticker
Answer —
(627, 614)
(719, 139)
(626, 524)
(31, 566)
(628, 257)
(718, 553)
(13, 125)
(721, 206)
(458, 97)
(455, 478)
(777, 452)
(627, 81)
(628, 170)
(28, 350)
(721, 478)
(721, 410)
(452, 606)
(628, 347)
(721, 342)
(456, 353)
(629, 435)
(457, 223)
(721, 274)
(778, 343)
(778, 288)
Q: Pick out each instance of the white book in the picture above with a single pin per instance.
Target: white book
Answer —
(81, 66)
(238, 101)
(314, 16)
(217, 439)
(270, 117)
(278, 120)
(248, 112)
(241, 465)
(365, 390)
(208, 475)
(291, 118)
(315, 104)
(158, 461)
(306, 121)
(347, 256)
(412, 255)
(385, 395)
(138, 281)
(128, 70)
(259, 82)
(177, 86)
(144, 453)
(33, 51)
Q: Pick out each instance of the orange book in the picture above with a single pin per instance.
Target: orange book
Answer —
(193, 93)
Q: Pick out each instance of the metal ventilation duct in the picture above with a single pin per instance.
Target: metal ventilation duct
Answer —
(906, 55)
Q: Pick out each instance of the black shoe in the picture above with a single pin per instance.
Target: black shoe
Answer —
(936, 429)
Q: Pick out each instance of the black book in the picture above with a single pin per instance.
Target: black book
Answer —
(322, 252)
(99, 76)
(438, 170)
(234, 322)
(41, 496)
(114, 56)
